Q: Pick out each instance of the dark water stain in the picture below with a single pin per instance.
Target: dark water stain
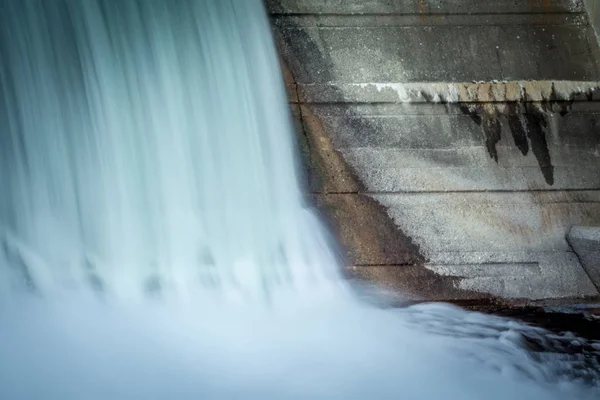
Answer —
(493, 133)
(492, 128)
(473, 113)
(528, 130)
(536, 126)
(518, 129)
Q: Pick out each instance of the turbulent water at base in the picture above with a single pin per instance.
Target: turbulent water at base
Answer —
(155, 244)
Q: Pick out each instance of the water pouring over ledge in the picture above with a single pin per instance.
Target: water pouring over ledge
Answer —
(155, 242)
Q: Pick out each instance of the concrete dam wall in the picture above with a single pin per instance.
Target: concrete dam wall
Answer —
(452, 144)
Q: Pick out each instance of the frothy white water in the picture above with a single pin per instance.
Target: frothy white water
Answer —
(326, 348)
(145, 145)
(155, 243)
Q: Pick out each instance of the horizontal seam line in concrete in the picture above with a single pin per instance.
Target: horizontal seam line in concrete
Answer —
(355, 103)
(424, 83)
(396, 14)
(466, 83)
(490, 165)
(533, 24)
(449, 114)
(444, 24)
(495, 263)
(499, 252)
(384, 265)
(596, 189)
(454, 264)
(440, 102)
(408, 113)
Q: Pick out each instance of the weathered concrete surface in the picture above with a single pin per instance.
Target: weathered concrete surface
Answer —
(416, 148)
(390, 54)
(586, 243)
(451, 144)
(413, 40)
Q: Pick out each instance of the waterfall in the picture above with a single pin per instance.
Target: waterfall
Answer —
(147, 146)
(155, 242)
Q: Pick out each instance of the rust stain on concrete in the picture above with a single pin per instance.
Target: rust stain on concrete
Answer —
(534, 4)
(417, 284)
(366, 231)
(546, 5)
(328, 169)
(362, 224)
(423, 10)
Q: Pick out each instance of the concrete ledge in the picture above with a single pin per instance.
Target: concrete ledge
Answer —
(585, 241)
(445, 92)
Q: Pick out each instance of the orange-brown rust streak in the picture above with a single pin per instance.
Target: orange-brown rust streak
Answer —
(546, 5)
(423, 9)
(534, 4)
(333, 175)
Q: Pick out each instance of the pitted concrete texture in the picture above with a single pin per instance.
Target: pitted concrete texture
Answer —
(586, 243)
(450, 144)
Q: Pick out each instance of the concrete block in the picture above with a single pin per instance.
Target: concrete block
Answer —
(416, 126)
(425, 147)
(379, 176)
(507, 258)
(550, 276)
(393, 160)
(586, 243)
(419, 54)
(558, 275)
(501, 222)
